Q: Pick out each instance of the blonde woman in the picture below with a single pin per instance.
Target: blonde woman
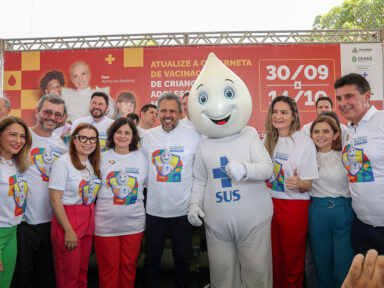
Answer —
(295, 166)
(15, 143)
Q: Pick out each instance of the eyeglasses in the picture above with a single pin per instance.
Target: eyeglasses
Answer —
(48, 113)
(84, 139)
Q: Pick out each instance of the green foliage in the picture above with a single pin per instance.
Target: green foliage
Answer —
(353, 14)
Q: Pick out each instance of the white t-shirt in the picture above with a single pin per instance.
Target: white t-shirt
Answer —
(293, 152)
(101, 126)
(66, 128)
(363, 157)
(78, 186)
(44, 151)
(141, 131)
(119, 207)
(170, 157)
(13, 194)
(333, 181)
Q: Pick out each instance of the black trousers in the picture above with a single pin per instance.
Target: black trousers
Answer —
(34, 263)
(365, 237)
(180, 232)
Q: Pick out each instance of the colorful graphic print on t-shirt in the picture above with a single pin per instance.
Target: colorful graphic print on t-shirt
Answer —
(357, 164)
(88, 188)
(123, 186)
(168, 166)
(18, 189)
(43, 158)
(277, 183)
(103, 142)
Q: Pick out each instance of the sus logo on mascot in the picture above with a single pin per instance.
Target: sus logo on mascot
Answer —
(231, 164)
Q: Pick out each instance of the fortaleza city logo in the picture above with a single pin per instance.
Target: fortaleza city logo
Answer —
(355, 50)
(227, 195)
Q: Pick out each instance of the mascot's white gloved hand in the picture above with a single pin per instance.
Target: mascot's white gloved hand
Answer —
(234, 169)
(194, 215)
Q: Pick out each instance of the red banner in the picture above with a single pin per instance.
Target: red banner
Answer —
(303, 72)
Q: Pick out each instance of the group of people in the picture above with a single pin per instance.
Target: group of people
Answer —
(58, 199)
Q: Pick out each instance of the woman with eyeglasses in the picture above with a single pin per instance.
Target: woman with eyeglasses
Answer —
(330, 212)
(15, 143)
(73, 186)
(120, 212)
(295, 166)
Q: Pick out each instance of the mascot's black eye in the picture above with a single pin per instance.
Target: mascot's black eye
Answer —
(203, 98)
(229, 93)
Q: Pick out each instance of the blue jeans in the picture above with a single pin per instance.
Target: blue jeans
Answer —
(329, 230)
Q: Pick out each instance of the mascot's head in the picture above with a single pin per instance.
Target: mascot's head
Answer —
(219, 103)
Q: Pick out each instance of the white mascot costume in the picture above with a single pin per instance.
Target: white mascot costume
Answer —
(228, 180)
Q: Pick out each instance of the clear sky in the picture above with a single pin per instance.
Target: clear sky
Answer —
(51, 18)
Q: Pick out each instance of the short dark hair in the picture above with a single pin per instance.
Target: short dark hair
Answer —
(54, 74)
(51, 98)
(170, 96)
(133, 146)
(101, 94)
(324, 99)
(353, 79)
(133, 116)
(146, 107)
(186, 94)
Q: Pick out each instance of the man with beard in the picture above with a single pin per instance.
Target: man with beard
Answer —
(98, 107)
(169, 149)
(34, 264)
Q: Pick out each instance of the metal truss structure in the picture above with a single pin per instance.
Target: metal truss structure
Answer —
(194, 39)
(190, 39)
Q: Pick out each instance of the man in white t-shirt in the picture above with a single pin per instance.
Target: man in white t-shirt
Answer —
(97, 108)
(148, 117)
(363, 158)
(170, 150)
(34, 265)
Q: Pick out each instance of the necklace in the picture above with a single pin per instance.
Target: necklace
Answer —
(8, 162)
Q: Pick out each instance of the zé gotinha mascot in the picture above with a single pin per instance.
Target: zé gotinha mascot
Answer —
(228, 191)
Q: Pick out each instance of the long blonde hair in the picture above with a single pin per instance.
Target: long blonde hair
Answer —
(272, 133)
(22, 157)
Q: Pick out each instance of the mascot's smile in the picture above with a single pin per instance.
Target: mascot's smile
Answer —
(221, 121)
